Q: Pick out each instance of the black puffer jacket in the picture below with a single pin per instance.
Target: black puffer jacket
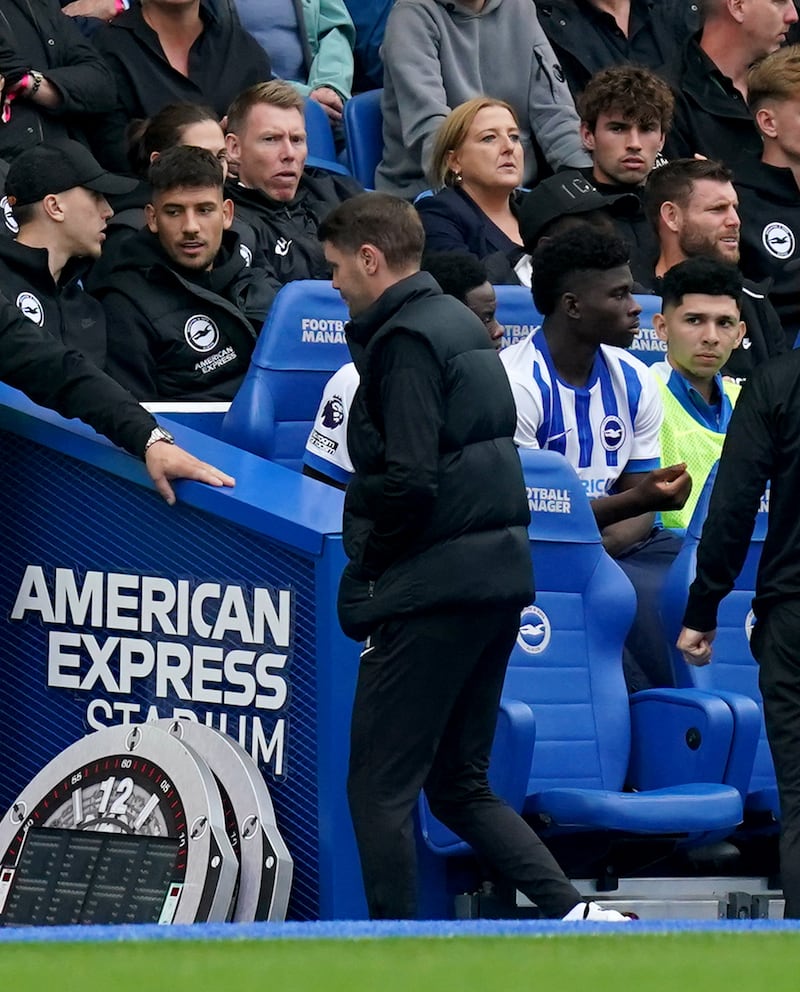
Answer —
(35, 34)
(182, 335)
(436, 515)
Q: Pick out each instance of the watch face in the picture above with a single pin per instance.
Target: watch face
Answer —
(136, 781)
(117, 794)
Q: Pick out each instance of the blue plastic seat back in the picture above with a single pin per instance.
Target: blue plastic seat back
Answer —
(733, 667)
(516, 312)
(566, 663)
(647, 346)
(300, 346)
(319, 136)
(363, 130)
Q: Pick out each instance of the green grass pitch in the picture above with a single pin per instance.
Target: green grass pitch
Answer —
(693, 962)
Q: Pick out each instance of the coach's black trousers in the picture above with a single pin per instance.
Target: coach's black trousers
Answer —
(424, 716)
(775, 644)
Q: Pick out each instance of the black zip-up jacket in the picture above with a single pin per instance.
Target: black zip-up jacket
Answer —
(436, 514)
(763, 338)
(762, 444)
(35, 34)
(769, 207)
(636, 231)
(64, 309)
(587, 39)
(181, 335)
(223, 61)
(66, 381)
(286, 232)
(711, 116)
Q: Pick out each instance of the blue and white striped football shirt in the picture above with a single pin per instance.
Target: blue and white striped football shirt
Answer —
(607, 427)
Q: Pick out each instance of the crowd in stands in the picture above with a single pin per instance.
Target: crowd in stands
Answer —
(158, 194)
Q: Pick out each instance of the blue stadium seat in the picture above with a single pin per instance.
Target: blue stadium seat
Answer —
(300, 346)
(733, 673)
(650, 765)
(363, 131)
(516, 312)
(319, 136)
(646, 345)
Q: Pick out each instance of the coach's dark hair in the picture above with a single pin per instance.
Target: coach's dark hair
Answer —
(457, 272)
(674, 183)
(185, 166)
(389, 223)
(557, 260)
(701, 274)
(163, 131)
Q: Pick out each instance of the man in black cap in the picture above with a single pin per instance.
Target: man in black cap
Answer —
(57, 193)
(568, 199)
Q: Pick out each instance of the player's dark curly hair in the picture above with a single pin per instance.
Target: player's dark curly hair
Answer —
(701, 274)
(457, 272)
(556, 261)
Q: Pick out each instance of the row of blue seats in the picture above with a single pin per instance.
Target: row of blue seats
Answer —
(573, 751)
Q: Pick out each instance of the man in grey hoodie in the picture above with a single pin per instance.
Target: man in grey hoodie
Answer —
(439, 53)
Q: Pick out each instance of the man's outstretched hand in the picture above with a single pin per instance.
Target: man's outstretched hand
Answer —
(165, 462)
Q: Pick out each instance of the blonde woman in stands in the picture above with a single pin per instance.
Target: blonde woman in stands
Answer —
(477, 166)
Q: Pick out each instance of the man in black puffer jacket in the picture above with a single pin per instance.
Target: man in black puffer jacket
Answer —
(435, 528)
(183, 304)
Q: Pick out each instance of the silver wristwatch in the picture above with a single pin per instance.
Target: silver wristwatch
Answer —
(158, 434)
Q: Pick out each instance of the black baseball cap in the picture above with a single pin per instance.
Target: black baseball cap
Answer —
(56, 167)
(568, 192)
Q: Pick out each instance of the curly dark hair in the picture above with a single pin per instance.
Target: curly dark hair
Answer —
(636, 93)
(583, 249)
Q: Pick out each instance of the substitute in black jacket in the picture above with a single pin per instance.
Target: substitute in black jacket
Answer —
(761, 446)
(282, 200)
(59, 82)
(587, 38)
(183, 307)
(57, 193)
(435, 530)
(769, 187)
(210, 59)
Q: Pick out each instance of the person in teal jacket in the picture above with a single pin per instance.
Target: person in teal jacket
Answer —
(310, 44)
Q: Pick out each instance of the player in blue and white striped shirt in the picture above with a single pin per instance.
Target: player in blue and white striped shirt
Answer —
(579, 392)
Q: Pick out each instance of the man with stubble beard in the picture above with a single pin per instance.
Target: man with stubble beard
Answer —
(692, 206)
(183, 304)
